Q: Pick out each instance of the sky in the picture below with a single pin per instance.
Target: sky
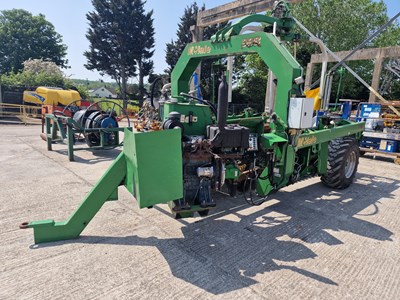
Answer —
(69, 19)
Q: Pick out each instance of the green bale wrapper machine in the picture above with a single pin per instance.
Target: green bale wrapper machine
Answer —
(199, 148)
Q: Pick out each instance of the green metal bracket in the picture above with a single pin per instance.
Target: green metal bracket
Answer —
(280, 147)
(105, 190)
(264, 185)
(268, 140)
(232, 172)
(226, 33)
(151, 169)
(323, 158)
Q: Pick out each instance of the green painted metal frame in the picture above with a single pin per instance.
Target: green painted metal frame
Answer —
(156, 179)
(67, 127)
(231, 30)
(278, 58)
(105, 190)
(321, 136)
(318, 139)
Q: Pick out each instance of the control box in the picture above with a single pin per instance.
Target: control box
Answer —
(253, 146)
(301, 113)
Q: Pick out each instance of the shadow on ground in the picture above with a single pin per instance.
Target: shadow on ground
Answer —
(99, 155)
(227, 250)
(379, 157)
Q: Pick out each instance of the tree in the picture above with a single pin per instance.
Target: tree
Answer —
(341, 25)
(36, 72)
(24, 36)
(252, 73)
(184, 36)
(31, 79)
(175, 48)
(121, 37)
(37, 66)
(146, 42)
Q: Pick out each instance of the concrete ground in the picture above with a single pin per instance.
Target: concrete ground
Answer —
(306, 242)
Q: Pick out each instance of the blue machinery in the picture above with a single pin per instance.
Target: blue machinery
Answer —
(382, 129)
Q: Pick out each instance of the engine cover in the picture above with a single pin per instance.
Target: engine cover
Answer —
(232, 136)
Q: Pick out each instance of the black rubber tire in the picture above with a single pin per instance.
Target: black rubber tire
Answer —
(341, 152)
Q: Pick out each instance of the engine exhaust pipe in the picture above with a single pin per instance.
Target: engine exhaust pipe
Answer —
(222, 103)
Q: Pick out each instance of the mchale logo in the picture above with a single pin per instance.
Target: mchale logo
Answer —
(194, 50)
(306, 141)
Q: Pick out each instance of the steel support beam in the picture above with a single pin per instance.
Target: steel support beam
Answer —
(363, 54)
(309, 73)
(376, 78)
(234, 10)
(378, 54)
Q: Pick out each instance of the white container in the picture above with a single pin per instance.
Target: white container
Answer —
(301, 113)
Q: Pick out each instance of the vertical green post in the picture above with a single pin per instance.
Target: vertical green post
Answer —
(323, 158)
(102, 139)
(70, 137)
(48, 133)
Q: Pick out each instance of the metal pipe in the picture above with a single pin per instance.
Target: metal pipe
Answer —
(251, 28)
(230, 76)
(321, 44)
(327, 92)
(393, 70)
(165, 89)
(270, 93)
(222, 103)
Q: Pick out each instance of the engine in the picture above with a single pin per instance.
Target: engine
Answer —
(212, 160)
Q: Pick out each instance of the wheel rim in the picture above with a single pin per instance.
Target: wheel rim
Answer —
(350, 164)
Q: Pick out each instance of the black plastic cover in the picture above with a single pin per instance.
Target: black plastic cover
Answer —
(232, 136)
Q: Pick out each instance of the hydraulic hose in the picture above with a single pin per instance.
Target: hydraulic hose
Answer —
(153, 85)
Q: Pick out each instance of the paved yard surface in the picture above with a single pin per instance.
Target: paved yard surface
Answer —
(306, 242)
